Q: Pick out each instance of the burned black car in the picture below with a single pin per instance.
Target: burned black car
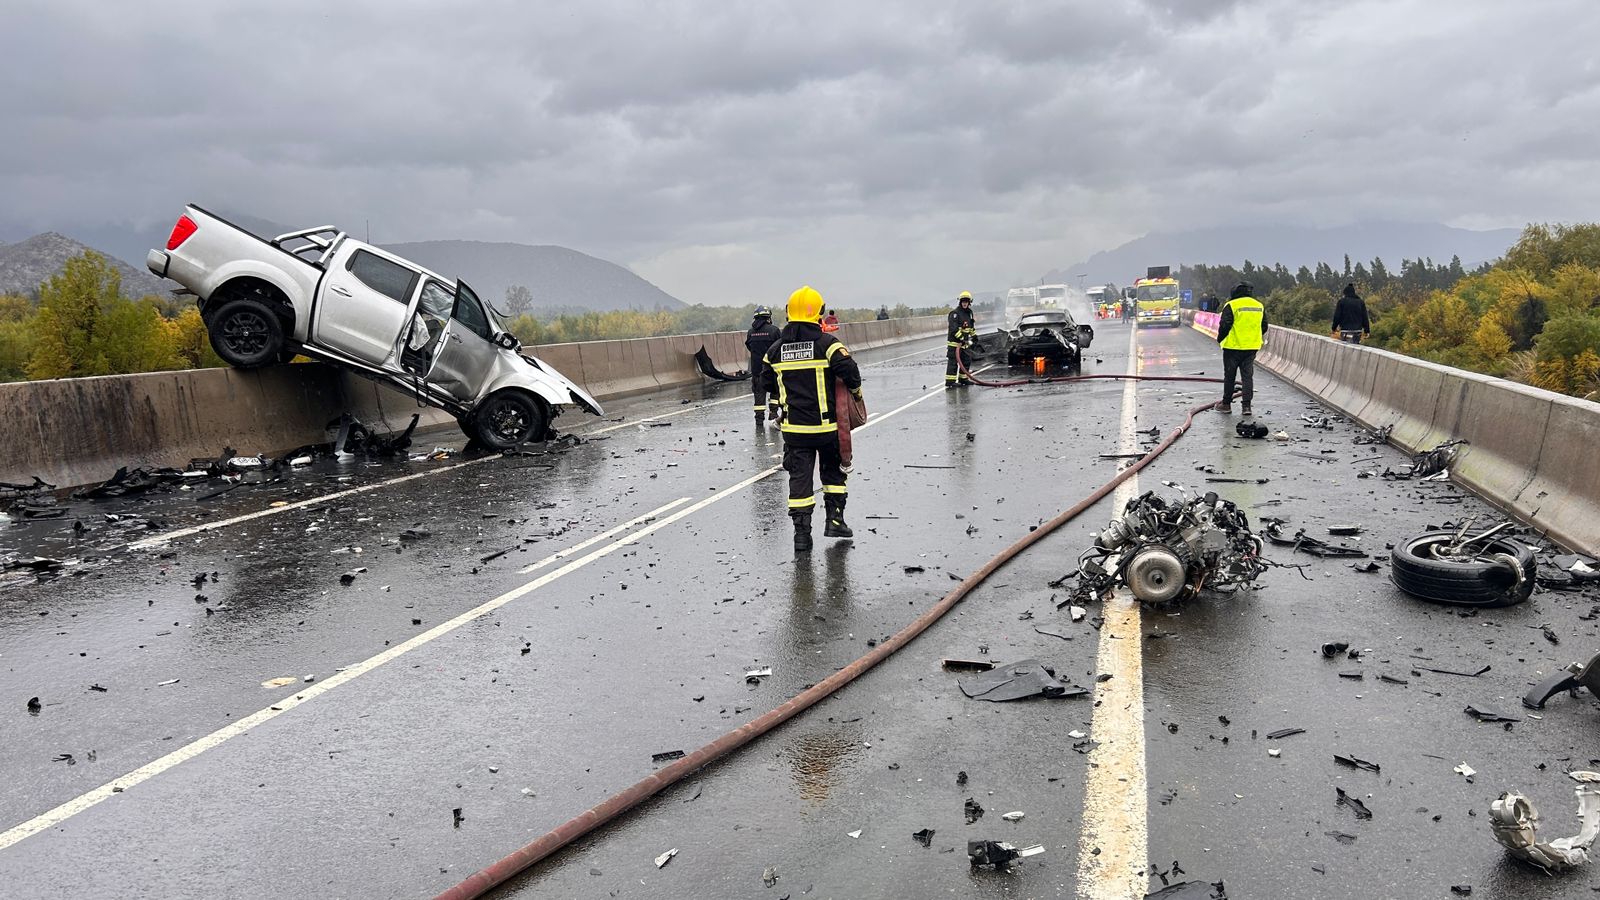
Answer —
(1050, 335)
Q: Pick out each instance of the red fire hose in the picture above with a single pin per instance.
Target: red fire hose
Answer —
(625, 800)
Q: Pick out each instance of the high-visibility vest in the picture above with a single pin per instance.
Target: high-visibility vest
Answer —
(1245, 333)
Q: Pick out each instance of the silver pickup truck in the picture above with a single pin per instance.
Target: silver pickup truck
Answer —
(321, 293)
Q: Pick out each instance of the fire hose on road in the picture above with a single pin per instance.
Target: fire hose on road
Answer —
(627, 799)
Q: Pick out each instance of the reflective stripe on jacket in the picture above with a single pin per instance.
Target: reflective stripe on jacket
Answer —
(801, 368)
(1244, 321)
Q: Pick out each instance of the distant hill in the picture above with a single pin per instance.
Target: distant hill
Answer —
(1290, 245)
(27, 264)
(558, 278)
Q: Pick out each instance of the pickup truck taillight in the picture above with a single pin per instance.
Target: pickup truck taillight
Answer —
(181, 232)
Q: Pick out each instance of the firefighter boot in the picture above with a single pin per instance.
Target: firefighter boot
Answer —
(802, 531)
(835, 526)
(761, 421)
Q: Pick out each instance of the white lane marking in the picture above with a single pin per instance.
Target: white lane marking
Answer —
(70, 808)
(1113, 846)
(586, 544)
(160, 539)
(298, 504)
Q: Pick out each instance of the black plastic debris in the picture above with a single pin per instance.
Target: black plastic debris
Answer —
(973, 810)
(1569, 678)
(1344, 530)
(666, 756)
(455, 815)
(1252, 430)
(1356, 762)
(961, 778)
(1485, 714)
(1017, 681)
(1475, 674)
(34, 705)
(923, 837)
(1355, 804)
(415, 534)
(1342, 837)
(710, 370)
(1191, 890)
(998, 854)
(967, 665)
(1428, 464)
(1334, 648)
(1303, 542)
(39, 564)
(1282, 733)
(1052, 632)
(1461, 890)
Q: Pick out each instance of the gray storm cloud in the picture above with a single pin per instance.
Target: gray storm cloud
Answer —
(897, 151)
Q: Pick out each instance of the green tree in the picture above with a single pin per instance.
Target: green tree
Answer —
(71, 319)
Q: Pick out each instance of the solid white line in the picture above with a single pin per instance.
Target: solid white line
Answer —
(1113, 846)
(298, 504)
(584, 545)
(70, 808)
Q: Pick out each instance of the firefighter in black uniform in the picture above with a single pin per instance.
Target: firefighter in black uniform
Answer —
(758, 340)
(959, 335)
(802, 368)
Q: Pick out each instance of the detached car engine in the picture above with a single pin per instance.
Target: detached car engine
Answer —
(1165, 551)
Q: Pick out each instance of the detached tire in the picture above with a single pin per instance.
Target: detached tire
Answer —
(246, 333)
(1414, 569)
(507, 419)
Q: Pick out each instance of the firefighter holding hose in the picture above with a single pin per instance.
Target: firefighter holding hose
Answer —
(958, 337)
(803, 368)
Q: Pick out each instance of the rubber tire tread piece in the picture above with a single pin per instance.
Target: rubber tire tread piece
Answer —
(1478, 584)
(271, 348)
(483, 420)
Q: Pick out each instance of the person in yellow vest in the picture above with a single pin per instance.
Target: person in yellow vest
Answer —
(801, 367)
(1241, 332)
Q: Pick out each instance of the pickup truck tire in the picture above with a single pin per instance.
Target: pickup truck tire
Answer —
(509, 418)
(246, 333)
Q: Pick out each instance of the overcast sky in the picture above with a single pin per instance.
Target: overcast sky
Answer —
(882, 151)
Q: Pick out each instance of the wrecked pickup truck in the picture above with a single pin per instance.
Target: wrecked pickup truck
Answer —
(321, 293)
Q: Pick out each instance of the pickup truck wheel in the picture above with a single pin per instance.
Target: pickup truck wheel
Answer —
(246, 333)
(509, 418)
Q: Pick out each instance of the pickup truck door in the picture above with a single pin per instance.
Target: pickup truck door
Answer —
(362, 307)
(466, 355)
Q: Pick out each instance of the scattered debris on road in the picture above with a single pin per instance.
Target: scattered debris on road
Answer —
(1355, 804)
(1515, 823)
(666, 857)
(666, 756)
(1486, 569)
(1569, 678)
(973, 810)
(998, 854)
(1191, 890)
(1017, 681)
(923, 837)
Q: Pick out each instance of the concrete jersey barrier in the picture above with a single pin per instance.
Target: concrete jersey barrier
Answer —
(77, 431)
(1531, 451)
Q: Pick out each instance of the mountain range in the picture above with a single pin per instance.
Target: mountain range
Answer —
(27, 264)
(1294, 246)
(559, 279)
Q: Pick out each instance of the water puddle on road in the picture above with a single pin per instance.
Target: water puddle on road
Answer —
(816, 758)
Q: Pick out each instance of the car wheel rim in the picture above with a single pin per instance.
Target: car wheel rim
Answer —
(245, 333)
(508, 423)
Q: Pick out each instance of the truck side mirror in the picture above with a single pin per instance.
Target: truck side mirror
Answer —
(507, 341)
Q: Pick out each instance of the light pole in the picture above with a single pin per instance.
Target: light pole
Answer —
(1081, 277)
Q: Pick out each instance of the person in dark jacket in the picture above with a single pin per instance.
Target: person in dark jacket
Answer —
(758, 340)
(1350, 322)
(883, 313)
(802, 368)
(1241, 331)
(958, 336)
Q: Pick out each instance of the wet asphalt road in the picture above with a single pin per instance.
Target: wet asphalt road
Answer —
(639, 647)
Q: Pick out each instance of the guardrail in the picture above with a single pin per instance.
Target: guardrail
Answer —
(76, 431)
(1531, 451)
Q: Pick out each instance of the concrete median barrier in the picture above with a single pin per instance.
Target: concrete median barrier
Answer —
(78, 431)
(1528, 450)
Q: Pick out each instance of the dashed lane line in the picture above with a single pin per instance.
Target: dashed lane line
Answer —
(179, 534)
(1113, 846)
(89, 799)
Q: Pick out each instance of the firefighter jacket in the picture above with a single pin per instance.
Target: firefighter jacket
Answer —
(1243, 324)
(801, 369)
(962, 327)
(758, 340)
